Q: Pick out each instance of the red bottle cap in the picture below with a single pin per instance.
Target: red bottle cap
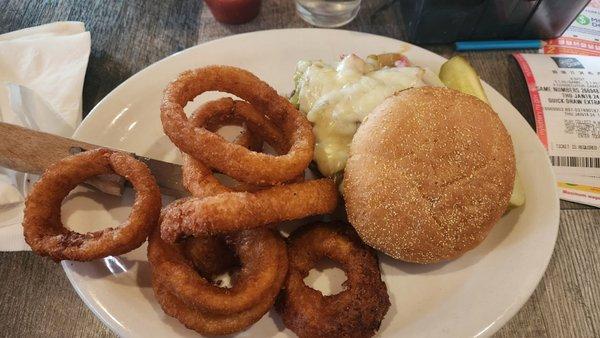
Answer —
(234, 12)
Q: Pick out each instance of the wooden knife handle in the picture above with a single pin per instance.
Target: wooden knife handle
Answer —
(32, 151)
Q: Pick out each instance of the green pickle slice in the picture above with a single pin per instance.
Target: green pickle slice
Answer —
(458, 74)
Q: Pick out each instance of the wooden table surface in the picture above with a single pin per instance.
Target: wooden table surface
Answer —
(36, 299)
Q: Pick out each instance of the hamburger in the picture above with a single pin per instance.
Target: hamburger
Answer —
(425, 172)
(429, 172)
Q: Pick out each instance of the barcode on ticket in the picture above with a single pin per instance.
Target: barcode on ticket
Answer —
(573, 161)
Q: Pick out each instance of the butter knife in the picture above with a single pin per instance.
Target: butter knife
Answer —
(32, 151)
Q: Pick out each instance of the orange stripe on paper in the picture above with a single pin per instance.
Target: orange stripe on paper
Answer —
(536, 102)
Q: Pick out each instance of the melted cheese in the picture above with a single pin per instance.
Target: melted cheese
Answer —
(337, 100)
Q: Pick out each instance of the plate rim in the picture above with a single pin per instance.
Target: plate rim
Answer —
(115, 326)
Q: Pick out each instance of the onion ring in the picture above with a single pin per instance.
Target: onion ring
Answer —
(197, 177)
(209, 324)
(354, 312)
(257, 276)
(209, 309)
(232, 159)
(42, 226)
(234, 211)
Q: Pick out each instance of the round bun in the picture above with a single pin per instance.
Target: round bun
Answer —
(430, 172)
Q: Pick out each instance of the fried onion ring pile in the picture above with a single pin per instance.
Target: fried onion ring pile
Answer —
(215, 208)
(354, 312)
(42, 225)
(181, 272)
(222, 228)
(201, 236)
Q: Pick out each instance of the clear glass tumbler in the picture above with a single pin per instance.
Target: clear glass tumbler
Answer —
(327, 13)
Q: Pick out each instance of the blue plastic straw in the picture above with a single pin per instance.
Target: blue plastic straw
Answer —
(498, 44)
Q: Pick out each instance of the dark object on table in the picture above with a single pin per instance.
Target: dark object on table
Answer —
(234, 12)
(444, 21)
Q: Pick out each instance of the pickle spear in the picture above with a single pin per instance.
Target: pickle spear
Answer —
(458, 74)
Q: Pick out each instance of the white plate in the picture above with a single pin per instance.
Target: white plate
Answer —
(471, 296)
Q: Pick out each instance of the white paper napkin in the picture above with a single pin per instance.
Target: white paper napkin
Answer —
(41, 81)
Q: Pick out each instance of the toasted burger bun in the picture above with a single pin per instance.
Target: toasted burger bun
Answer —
(430, 172)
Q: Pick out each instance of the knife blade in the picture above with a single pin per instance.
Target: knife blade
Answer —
(32, 151)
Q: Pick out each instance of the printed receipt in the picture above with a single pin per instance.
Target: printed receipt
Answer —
(565, 94)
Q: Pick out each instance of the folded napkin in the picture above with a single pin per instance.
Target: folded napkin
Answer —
(41, 81)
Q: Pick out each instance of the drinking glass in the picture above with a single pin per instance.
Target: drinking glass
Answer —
(327, 13)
